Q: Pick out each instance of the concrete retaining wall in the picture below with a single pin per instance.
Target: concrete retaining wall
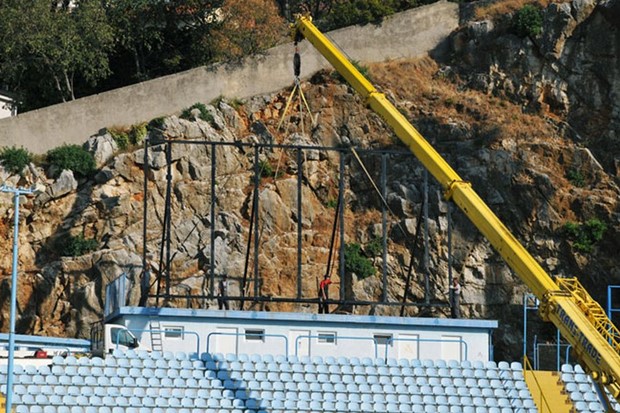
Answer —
(408, 34)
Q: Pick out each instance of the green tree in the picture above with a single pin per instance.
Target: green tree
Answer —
(140, 27)
(45, 48)
(352, 12)
(247, 27)
(160, 37)
(316, 8)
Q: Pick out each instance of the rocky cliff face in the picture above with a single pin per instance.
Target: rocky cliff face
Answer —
(569, 72)
(509, 114)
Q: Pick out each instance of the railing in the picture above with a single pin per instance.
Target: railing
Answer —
(592, 310)
(429, 340)
(182, 333)
(543, 406)
(220, 333)
(338, 338)
(463, 350)
(63, 351)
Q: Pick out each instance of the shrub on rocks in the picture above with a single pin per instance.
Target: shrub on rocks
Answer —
(14, 160)
(72, 157)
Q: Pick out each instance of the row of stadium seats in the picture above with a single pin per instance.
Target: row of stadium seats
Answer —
(75, 396)
(308, 408)
(581, 390)
(355, 361)
(229, 382)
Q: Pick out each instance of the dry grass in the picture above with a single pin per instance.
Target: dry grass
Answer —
(502, 7)
(421, 91)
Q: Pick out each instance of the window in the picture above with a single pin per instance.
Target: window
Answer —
(383, 339)
(254, 335)
(174, 332)
(329, 338)
(123, 337)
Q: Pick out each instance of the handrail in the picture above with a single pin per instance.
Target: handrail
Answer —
(164, 332)
(374, 340)
(593, 310)
(67, 350)
(221, 333)
(543, 399)
(432, 340)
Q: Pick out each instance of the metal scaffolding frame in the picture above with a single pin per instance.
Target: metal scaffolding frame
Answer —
(251, 276)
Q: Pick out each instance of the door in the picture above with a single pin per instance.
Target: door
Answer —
(451, 348)
(299, 346)
(408, 346)
(226, 340)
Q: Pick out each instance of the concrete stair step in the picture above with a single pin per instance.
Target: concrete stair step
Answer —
(548, 392)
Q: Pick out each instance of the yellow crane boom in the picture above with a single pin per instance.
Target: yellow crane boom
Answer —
(564, 302)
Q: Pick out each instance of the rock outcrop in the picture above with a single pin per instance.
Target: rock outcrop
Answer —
(510, 118)
(569, 71)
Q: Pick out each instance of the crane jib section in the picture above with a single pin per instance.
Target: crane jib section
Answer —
(564, 302)
(582, 340)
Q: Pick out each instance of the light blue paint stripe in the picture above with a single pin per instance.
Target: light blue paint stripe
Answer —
(306, 318)
(25, 340)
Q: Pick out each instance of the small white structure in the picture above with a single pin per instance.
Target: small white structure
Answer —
(303, 334)
(7, 106)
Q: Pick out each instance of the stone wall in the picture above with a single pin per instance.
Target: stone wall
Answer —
(412, 33)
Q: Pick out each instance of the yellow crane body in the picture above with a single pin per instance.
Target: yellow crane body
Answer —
(564, 302)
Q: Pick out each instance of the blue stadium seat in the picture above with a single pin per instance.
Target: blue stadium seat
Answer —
(58, 360)
(488, 392)
(352, 389)
(503, 365)
(492, 374)
(363, 388)
(354, 361)
(434, 381)
(466, 401)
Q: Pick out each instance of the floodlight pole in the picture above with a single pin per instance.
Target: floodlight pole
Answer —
(17, 192)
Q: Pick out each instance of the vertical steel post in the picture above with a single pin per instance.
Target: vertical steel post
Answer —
(212, 233)
(524, 327)
(9, 383)
(146, 271)
(256, 227)
(427, 288)
(299, 218)
(343, 285)
(557, 351)
(449, 243)
(168, 222)
(384, 224)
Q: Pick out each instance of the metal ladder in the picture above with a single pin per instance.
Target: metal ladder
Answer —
(156, 337)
